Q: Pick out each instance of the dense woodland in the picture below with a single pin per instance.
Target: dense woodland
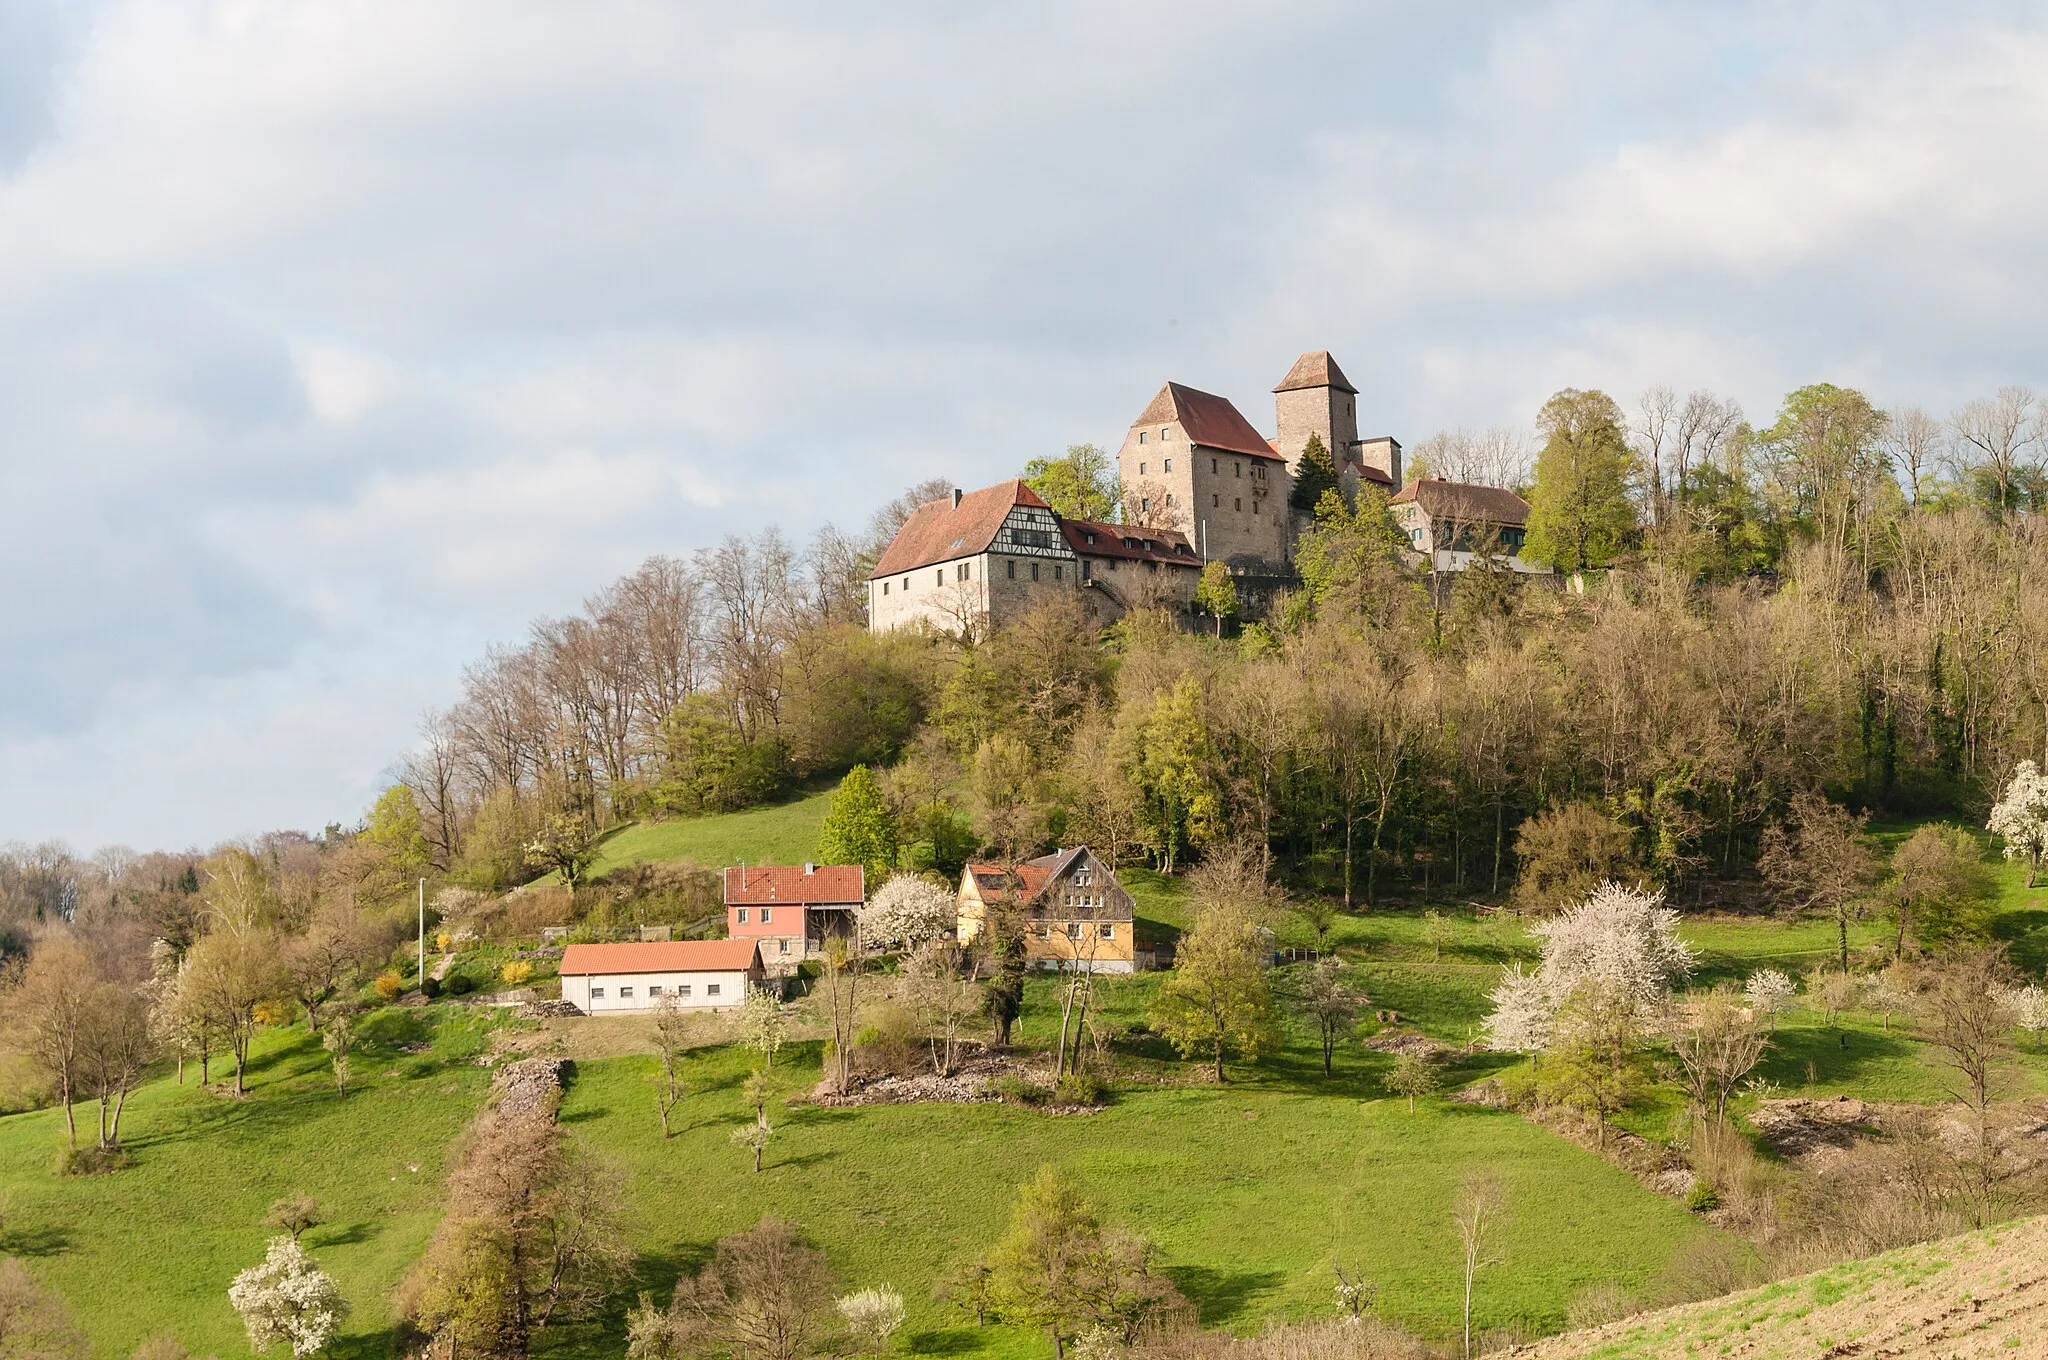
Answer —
(1846, 600)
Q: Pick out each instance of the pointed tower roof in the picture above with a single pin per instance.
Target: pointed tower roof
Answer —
(1316, 369)
(1208, 419)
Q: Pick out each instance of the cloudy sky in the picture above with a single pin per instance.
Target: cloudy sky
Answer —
(338, 339)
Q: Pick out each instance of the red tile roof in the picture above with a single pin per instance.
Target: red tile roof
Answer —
(1207, 419)
(1464, 501)
(1316, 369)
(774, 884)
(994, 879)
(1110, 540)
(664, 956)
(939, 531)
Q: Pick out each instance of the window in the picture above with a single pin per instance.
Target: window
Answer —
(1240, 501)
(1166, 434)
(1081, 877)
(1215, 501)
(1056, 569)
(1144, 502)
(683, 990)
(1087, 571)
(1237, 468)
(785, 946)
(711, 989)
(1255, 507)
(965, 572)
(1074, 929)
(654, 990)
(1044, 931)
(1168, 465)
(885, 587)
(1169, 500)
(1011, 568)
(597, 993)
(625, 993)
(1034, 571)
(1141, 469)
(765, 912)
(1215, 464)
(1108, 930)
(906, 583)
(1141, 439)
(939, 577)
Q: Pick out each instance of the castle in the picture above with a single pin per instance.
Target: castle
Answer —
(1200, 485)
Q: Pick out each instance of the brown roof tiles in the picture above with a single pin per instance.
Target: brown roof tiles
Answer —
(1208, 420)
(774, 884)
(1464, 501)
(1316, 369)
(1093, 539)
(940, 531)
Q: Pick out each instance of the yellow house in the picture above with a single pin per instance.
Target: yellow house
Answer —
(1073, 912)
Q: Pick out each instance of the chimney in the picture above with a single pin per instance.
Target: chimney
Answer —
(810, 868)
(956, 498)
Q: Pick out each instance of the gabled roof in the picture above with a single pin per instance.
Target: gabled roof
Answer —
(1113, 540)
(1464, 501)
(1207, 419)
(663, 956)
(1316, 369)
(994, 880)
(806, 884)
(939, 531)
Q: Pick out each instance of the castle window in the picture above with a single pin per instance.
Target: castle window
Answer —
(966, 570)
(1055, 571)
(1011, 567)
(1141, 436)
(1169, 465)
(885, 587)
(1238, 468)
(939, 577)
(1169, 500)
(1034, 571)
(1086, 573)
(1141, 469)
(1144, 502)
(1240, 502)
(1166, 434)
(1215, 501)
(1215, 464)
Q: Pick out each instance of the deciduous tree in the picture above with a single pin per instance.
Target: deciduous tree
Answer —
(1218, 1001)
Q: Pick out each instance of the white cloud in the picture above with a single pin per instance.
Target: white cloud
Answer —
(337, 338)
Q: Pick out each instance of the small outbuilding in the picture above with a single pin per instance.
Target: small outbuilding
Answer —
(603, 979)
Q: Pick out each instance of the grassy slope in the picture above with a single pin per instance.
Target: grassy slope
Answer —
(153, 1248)
(1251, 1191)
(1981, 1294)
(786, 833)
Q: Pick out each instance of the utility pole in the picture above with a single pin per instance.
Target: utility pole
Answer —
(423, 937)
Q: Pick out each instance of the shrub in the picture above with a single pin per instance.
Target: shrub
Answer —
(1012, 1089)
(462, 984)
(516, 972)
(90, 1160)
(1702, 1197)
(430, 987)
(389, 985)
(1078, 1088)
(890, 1043)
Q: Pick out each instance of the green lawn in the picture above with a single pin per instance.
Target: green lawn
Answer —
(786, 833)
(153, 1248)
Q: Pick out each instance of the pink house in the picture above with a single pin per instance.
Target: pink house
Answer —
(792, 909)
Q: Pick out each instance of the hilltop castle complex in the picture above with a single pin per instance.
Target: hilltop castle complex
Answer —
(1200, 485)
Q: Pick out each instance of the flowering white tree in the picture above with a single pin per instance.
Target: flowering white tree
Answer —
(2020, 817)
(1769, 992)
(907, 911)
(2029, 1006)
(873, 1315)
(288, 1299)
(1620, 937)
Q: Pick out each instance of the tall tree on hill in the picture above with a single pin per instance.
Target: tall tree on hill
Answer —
(1580, 515)
(49, 1011)
(1082, 485)
(1826, 468)
(1218, 1000)
(1315, 474)
(859, 828)
(1216, 594)
(1818, 862)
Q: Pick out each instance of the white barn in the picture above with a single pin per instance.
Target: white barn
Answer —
(605, 979)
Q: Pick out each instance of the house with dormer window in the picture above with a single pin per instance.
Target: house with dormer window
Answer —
(1071, 910)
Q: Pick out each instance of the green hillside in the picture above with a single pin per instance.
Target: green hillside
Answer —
(786, 833)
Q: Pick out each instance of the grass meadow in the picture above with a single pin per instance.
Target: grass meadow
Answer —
(1252, 1190)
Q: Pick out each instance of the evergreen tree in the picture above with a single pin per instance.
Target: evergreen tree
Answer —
(859, 828)
(1580, 515)
(1316, 474)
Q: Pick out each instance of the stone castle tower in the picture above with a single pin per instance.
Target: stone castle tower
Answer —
(1316, 398)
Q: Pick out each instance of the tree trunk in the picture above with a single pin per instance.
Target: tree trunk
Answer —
(1842, 928)
(120, 1104)
(1220, 1078)
(70, 1116)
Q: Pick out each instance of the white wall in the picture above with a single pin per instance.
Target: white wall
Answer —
(732, 990)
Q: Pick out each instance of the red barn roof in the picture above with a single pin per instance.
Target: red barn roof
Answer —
(662, 956)
(824, 885)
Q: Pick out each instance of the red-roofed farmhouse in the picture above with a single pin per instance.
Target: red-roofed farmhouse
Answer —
(792, 909)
